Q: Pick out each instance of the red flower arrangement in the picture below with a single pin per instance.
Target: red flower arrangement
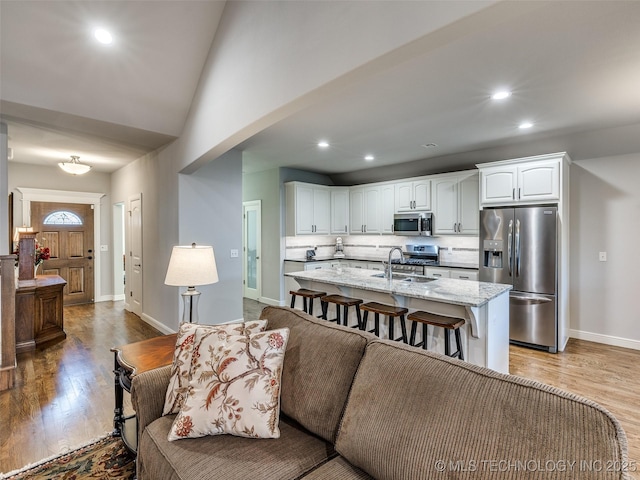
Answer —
(41, 254)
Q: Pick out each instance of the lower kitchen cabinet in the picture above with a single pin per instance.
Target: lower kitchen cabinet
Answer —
(437, 272)
(464, 274)
(457, 273)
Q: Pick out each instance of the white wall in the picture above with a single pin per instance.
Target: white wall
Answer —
(605, 217)
(4, 192)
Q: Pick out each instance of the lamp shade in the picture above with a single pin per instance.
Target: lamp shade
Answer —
(190, 266)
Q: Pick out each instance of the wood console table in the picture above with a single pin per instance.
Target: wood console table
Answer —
(39, 313)
(130, 360)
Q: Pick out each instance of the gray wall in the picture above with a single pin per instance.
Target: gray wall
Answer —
(4, 192)
(605, 216)
(210, 205)
(265, 186)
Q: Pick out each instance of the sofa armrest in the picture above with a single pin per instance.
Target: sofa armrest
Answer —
(148, 391)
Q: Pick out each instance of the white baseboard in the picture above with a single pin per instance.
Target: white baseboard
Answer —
(109, 298)
(157, 325)
(605, 339)
(117, 298)
(272, 302)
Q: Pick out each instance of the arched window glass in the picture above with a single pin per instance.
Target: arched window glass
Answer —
(62, 217)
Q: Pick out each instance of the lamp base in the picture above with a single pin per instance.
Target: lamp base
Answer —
(190, 310)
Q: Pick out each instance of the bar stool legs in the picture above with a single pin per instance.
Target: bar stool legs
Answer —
(305, 294)
(345, 303)
(391, 312)
(448, 323)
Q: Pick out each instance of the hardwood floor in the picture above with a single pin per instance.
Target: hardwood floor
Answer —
(64, 393)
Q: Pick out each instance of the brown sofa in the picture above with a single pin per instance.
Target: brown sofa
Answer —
(354, 406)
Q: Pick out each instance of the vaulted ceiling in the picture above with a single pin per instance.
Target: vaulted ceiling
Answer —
(573, 69)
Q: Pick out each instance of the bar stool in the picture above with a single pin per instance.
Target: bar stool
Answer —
(345, 302)
(391, 312)
(448, 323)
(305, 293)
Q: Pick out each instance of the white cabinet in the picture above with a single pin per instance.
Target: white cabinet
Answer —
(414, 195)
(464, 274)
(387, 208)
(339, 211)
(308, 209)
(456, 208)
(375, 266)
(364, 210)
(436, 272)
(526, 182)
(358, 264)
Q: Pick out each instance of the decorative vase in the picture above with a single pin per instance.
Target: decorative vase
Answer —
(35, 270)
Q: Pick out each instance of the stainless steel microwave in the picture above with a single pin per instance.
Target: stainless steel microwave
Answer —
(417, 223)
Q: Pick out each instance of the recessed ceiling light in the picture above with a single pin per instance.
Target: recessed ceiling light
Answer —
(103, 36)
(368, 158)
(323, 144)
(525, 125)
(429, 145)
(501, 95)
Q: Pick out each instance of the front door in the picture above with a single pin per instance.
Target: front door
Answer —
(252, 266)
(67, 229)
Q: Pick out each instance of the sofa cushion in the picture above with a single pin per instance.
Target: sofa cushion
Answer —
(234, 386)
(229, 457)
(181, 365)
(415, 414)
(319, 366)
(337, 469)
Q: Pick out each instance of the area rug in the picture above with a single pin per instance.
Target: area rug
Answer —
(107, 458)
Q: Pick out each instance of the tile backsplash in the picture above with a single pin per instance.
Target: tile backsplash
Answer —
(452, 249)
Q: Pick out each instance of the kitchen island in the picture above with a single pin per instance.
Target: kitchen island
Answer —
(484, 306)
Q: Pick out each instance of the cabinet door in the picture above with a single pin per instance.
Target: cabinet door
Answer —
(356, 210)
(340, 211)
(499, 184)
(372, 210)
(358, 264)
(446, 205)
(387, 193)
(468, 208)
(375, 266)
(464, 274)
(422, 195)
(304, 210)
(404, 197)
(321, 210)
(539, 181)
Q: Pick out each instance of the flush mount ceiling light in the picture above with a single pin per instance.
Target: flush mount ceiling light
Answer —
(501, 95)
(103, 36)
(323, 144)
(525, 125)
(74, 167)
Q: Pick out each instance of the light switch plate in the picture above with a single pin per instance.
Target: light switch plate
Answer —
(104, 248)
(234, 253)
(602, 256)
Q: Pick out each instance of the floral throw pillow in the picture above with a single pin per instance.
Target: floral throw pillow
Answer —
(179, 381)
(234, 386)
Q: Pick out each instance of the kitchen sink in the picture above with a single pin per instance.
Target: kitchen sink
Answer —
(407, 278)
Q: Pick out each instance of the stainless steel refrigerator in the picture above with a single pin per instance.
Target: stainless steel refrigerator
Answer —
(518, 246)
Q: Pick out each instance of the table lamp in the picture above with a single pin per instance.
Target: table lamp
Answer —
(189, 267)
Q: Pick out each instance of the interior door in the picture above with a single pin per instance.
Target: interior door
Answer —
(67, 229)
(135, 255)
(251, 247)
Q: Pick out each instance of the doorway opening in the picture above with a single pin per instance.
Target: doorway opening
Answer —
(251, 247)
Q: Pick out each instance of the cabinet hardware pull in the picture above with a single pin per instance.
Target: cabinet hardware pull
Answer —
(513, 194)
(519, 190)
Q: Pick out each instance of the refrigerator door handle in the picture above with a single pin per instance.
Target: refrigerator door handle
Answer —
(517, 248)
(509, 243)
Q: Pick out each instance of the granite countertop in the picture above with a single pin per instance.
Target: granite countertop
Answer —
(467, 293)
(442, 264)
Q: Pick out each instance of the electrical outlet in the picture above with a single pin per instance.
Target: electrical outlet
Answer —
(234, 253)
(602, 256)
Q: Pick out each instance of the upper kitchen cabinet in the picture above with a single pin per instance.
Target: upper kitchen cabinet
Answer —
(340, 211)
(308, 209)
(525, 180)
(414, 195)
(456, 208)
(387, 208)
(364, 209)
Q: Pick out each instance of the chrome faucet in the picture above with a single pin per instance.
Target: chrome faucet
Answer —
(390, 270)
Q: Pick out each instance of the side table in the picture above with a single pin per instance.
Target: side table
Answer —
(130, 360)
